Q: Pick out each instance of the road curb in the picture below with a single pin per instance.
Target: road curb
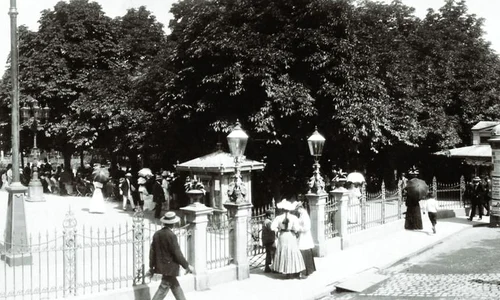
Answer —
(331, 287)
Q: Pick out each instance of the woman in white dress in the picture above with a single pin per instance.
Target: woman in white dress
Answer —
(97, 204)
(146, 198)
(306, 243)
(287, 259)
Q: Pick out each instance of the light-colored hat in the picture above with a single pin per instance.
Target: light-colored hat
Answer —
(285, 205)
(476, 179)
(170, 218)
(164, 173)
(158, 177)
(298, 204)
(128, 175)
(141, 180)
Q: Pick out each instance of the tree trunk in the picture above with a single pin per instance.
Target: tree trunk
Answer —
(67, 159)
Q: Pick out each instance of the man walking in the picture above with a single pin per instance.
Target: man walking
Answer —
(477, 195)
(126, 191)
(165, 256)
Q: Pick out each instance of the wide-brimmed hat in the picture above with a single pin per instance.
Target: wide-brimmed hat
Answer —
(164, 174)
(158, 177)
(128, 175)
(476, 179)
(170, 218)
(298, 204)
(285, 205)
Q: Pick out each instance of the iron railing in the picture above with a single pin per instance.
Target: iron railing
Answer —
(81, 260)
(218, 247)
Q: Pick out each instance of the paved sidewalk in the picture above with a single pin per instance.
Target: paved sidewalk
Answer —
(335, 267)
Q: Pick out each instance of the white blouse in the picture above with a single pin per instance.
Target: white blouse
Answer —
(305, 236)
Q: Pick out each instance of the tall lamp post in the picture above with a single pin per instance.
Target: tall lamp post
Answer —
(237, 141)
(16, 239)
(316, 142)
(38, 116)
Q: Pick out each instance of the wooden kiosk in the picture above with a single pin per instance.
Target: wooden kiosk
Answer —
(216, 171)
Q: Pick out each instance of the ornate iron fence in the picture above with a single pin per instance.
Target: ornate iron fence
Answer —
(383, 207)
(331, 209)
(256, 251)
(450, 195)
(79, 261)
(218, 247)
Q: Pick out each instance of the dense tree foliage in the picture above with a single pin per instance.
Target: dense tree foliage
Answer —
(384, 87)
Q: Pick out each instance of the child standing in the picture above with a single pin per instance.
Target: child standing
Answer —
(431, 207)
(269, 239)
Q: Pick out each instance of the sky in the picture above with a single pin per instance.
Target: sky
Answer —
(29, 14)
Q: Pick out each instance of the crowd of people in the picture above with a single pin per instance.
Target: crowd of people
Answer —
(133, 191)
(287, 239)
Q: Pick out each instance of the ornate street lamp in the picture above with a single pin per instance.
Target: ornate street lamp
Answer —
(316, 142)
(16, 239)
(39, 116)
(237, 141)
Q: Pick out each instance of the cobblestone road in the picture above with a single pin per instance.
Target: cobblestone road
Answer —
(465, 267)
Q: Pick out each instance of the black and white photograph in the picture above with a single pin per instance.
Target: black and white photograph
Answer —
(250, 149)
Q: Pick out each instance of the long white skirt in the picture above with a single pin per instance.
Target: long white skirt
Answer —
(287, 259)
(148, 202)
(97, 204)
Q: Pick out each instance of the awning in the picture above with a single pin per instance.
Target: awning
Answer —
(478, 155)
(479, 151)
(218, 162)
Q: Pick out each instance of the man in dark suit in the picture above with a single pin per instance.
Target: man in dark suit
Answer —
(126, 191)
(477, 194)
(165, 256)
(158, 196)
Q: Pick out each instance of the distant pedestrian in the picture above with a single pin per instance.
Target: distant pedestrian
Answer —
(126, 189)
(165, 256)
(431, 207)
(486, 194)
(288, 259)
(269, 240)
(477, 194)
(158, 196)
(306, 243)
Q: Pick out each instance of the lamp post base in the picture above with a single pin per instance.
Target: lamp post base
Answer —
(35, 191)
(16, 241)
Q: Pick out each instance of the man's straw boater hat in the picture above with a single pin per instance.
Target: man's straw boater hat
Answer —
(170, 218)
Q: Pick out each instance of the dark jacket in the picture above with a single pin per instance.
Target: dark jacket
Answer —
(125, 186)
(477, 192)
(165, 255)
(158, 193)
(268, 235)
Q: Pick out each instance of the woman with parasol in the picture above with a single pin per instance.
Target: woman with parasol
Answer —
(416, 190)
(100, 176)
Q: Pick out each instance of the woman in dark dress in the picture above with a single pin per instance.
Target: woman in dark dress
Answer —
(413, 215)
(413, 220)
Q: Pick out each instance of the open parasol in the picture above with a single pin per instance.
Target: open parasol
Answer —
(416, 189)
(355, 177)
(100, 175)
(145, 172)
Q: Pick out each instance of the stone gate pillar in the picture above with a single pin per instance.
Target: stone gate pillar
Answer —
(239, 215)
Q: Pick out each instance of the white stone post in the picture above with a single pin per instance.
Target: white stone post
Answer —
(317, 204)
(239, 215)
(197, 216)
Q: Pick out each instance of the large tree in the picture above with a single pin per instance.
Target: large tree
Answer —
(120, 110)
(74, 42)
